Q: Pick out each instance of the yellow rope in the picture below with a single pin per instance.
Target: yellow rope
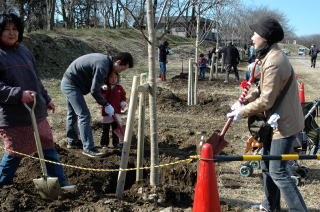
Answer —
(189, 160)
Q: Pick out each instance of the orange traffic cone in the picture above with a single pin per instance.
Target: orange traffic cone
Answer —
(206, 197)
(301, 93)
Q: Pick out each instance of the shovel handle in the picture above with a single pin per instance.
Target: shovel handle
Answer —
(36, 134)
(226, 127)
(251, 80)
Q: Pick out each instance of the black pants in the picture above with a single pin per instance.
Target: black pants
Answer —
(105, 134)
(313, 62)
(228, 68)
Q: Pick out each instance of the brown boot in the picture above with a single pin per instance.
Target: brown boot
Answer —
(164, 77)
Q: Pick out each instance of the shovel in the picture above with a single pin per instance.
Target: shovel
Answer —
(217, 140)
(48, 187)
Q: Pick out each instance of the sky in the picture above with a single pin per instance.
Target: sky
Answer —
(303, 15)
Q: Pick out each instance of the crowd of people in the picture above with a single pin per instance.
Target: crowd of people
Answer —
(98, 74)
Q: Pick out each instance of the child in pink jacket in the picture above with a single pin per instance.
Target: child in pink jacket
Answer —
(116, 96)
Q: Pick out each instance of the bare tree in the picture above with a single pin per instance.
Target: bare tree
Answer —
(51, 5)
(68, 12)
(235, 21)
(203, 8)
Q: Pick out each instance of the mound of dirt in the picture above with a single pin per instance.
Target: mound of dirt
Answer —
(96, 190)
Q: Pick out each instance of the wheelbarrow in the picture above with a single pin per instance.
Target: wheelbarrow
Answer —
(48, 187)
(217, 140)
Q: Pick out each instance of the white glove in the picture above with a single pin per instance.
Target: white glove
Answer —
(236, 106)
(104, 87)
(273, 120)
(109, 110)
(124, 105)
(235, 114)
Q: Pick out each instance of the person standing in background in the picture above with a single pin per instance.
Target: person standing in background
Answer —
(313, 54)
(163, 52)
(231, 60)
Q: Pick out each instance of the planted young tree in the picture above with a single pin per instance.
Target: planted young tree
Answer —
(152, 43)
(206, 14)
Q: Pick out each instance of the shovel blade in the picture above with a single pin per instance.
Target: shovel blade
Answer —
(48, 188)
(218, 143)
(120, 132)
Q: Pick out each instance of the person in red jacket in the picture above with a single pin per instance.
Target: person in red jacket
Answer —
(114, 93)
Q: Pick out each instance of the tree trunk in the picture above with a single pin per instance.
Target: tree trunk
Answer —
(125, 16)
(51, 5)
(155, 172)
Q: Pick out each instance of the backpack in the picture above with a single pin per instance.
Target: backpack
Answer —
(259, 128)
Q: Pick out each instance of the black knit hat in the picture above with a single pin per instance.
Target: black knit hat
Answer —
(268, 28)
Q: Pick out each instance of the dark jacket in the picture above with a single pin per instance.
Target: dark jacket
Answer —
(18, 73)
(314, 52)
(163, 52)
(231, 55)
(89, 72)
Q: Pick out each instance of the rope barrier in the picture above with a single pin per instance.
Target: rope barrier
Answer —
(192, 158)
(189, 160)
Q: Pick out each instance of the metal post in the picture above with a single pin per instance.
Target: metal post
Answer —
(211, 67)
(222, 62)
(190, 82)
(141, 125)
(217, 61)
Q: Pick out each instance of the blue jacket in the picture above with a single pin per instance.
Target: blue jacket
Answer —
(89, 72)
(18, 73)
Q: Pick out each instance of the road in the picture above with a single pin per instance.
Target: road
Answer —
(307, 75)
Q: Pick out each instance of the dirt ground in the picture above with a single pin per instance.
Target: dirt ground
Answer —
(180, 128)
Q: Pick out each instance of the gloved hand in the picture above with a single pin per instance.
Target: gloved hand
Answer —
(109, 110)
(273, 120)
(236, 106)
(124, 105)
(235, 114)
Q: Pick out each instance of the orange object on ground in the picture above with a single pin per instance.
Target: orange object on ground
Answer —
(206, 197)
(301, 93)
(252, 144)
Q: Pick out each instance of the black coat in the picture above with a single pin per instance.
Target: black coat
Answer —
(163, 52)
(314, 52)
(231, 55)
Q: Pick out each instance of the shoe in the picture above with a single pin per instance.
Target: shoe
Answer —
(119, 146)
(74, 145)
(225, 82)
(259, 207)
(69, 187)
(104, 146)
(94, 153)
